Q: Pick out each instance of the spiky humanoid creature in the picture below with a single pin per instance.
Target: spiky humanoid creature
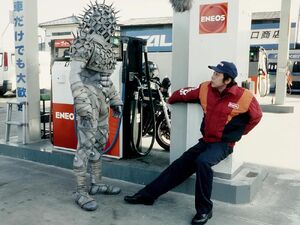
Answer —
(93, 61)
(181, 5)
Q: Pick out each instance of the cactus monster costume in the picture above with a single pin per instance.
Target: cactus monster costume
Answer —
(181, 5)
(92, 63)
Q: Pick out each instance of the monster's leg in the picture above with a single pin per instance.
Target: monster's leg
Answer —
(95, 161)
(86, 131)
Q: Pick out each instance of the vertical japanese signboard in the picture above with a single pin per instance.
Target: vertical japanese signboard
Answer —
(27, 71)
(21, 76)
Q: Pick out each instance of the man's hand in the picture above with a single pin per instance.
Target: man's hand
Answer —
(117, 111)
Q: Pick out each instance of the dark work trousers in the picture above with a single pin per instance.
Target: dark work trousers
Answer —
(198, 159)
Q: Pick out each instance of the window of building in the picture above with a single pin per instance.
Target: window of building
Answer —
(272, 68)
(61, 33)
(296, 67)
(266, 21)
(13, 59)
(253, 54)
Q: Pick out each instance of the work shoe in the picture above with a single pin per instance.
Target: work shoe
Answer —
(85, 201)
(104, 189)
(138, 199)
(201, 218)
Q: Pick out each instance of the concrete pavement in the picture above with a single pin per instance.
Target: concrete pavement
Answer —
(33, 193)
(38, 194)
(275, 140)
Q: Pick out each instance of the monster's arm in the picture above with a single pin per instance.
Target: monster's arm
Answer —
(115, 101)
(82, 103)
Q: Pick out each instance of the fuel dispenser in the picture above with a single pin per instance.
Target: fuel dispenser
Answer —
(137, 85)
(125, 134)
(258, 71)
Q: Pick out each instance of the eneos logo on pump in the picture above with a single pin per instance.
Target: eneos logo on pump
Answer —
(213, 18)
(64, 134)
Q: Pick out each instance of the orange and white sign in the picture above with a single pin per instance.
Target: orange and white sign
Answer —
(213, 18)
(63, 43)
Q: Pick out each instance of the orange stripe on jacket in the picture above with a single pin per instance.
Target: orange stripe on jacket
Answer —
(203, 95)
(242, 105)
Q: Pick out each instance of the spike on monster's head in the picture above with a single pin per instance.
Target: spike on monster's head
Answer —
(181, 5)
(99, 19)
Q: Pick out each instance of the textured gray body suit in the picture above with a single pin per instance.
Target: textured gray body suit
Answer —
(92, 99)
(92, 63)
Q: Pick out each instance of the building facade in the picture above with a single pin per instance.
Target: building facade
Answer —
(158, 33)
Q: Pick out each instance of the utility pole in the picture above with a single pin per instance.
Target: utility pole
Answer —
(283, 52)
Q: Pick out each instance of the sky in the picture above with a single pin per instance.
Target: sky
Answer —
(55, 9)
(50, 10)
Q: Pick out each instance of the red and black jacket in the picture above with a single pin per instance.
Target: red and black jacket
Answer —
(227, 115)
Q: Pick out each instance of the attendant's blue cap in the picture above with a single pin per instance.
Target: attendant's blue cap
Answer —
(226, 67)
